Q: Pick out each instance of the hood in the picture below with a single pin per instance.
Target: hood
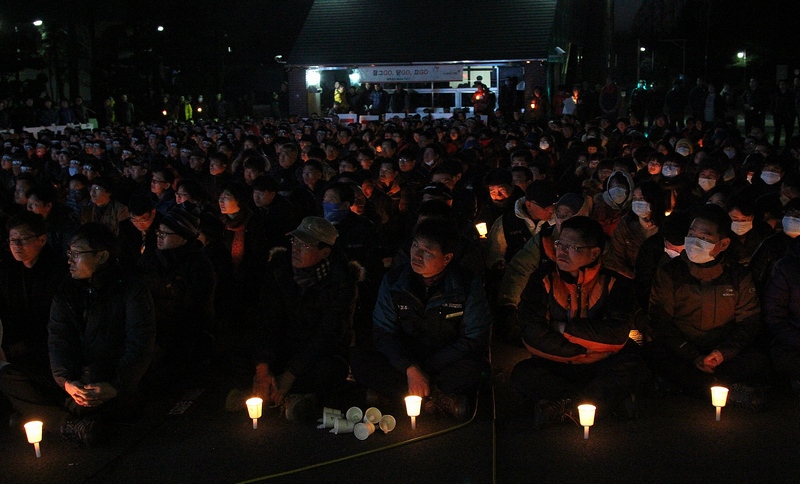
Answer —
(521, 212)
(607, 197)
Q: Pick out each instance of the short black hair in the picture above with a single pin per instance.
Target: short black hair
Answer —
(141, 204)
(589, 230)
(715, 215)
(442, 232)
(265, 183)
(97, 236)
(32, 221)
(344, 192)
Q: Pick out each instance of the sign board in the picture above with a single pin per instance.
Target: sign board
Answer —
(347, 118)
(365, 119)
(425, 73)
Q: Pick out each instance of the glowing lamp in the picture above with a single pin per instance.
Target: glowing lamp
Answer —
(482, 230)
(586, 414)
(199, 110)
(413, 403)
(719, 397)
(34, 432)
(164, 112)
(254, 409)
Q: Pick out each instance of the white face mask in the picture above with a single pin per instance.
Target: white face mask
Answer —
(741, 228)
(730, 153)
(544, 145)
(682, 150)
(640, 208)
(509, 146)
(669, 171)
(672, 253)
(791, 226)
(770, 177)
(618, 194)
(706, 183)
(698, 251)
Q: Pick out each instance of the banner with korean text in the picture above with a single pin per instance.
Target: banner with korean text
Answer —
(423, 73)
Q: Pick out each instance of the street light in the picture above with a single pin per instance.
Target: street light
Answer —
(160, 28)
(37, 23)
(743, 55)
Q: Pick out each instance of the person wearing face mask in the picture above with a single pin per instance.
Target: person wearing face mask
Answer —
(776, 246)
(767, 180)
(637, 224)
(748, 231)
(709, 181)
(358, 237)
(705, 317)
(613, 200)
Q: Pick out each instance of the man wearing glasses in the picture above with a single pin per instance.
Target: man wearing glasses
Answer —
(575, 322)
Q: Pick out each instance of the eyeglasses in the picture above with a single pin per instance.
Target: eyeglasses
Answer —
(157, 181)
(572, 249)
(163, 235)
(22, 240)
(300, 244)
(73, 254)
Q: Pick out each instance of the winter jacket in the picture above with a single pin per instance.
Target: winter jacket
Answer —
(510, 232)
(695, 309)
(102, 331)
(440, 324)
(782, 302)
(578, 320)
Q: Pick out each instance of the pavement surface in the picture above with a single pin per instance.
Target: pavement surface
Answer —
(675, 439)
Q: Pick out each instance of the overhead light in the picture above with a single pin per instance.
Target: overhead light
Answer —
(312, 77)
(279, 59)
(560, 51)
(160, 28)
(37, 23)
(355, 77)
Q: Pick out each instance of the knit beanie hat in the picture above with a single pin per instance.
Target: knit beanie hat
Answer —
(182, 223)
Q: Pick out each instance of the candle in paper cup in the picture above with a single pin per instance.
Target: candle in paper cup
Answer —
(413, 403)
(482, 230)
(719, 397)
(586, 414)
(33, 430)
(254, 409)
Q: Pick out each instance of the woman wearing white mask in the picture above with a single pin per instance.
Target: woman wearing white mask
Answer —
(609, 204)
(672, 179)
(768, 179)
(637, 225)
(748, 232)
(709, 177)
(776, 245)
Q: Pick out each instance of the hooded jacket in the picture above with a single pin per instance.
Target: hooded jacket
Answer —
(608, 212)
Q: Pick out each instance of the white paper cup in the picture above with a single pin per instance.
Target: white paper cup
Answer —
(342, 426)
(333, 411)
(373, 415)
(362, 430)
(387, 423)
(328, 419)
(354, 414)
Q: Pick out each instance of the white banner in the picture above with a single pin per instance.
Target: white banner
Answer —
(427, 73)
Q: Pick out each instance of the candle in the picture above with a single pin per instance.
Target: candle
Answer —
(719, 397)
(34, 432)
(482, 230)
(413, 402)
(254, 409)
(586, 413)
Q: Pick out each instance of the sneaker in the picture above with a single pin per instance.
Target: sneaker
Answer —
(81, 430)
(442, 405)
(300, 407)
(549, 411)
(741, 395)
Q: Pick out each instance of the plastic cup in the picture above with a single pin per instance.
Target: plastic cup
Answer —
(373, 415)
(387, 423)
(354, 414)
(362, 430)
(342, 426)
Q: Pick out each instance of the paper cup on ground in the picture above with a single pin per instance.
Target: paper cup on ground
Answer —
(363, 430)
(327, 420)
(333, 411)
(354, 414)
(373, 415)
(387, 423)
(342, 426)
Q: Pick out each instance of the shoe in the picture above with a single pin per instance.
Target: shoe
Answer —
(300, 407)
(741, 395)
(235, 400)
(442, 405)
(549, 411)
(83, 431)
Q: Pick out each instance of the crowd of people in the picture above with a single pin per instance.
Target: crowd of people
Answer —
(390, 254)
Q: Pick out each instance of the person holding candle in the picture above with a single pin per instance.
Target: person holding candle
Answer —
(430, 327)
(575, 322)
(705, 316)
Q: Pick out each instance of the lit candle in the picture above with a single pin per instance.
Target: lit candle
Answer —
(254, 409)
(34, 432)
(586, 413)
(413, 402)
(719, 397)
(482, 230)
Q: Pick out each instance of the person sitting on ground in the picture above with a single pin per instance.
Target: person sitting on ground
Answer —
(101, 339)
(575, 322)
(307, 301)
(431, 327)
(705, 316)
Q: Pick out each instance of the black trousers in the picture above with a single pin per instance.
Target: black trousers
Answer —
(605, 383)
(749, 366)
(373, 370)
